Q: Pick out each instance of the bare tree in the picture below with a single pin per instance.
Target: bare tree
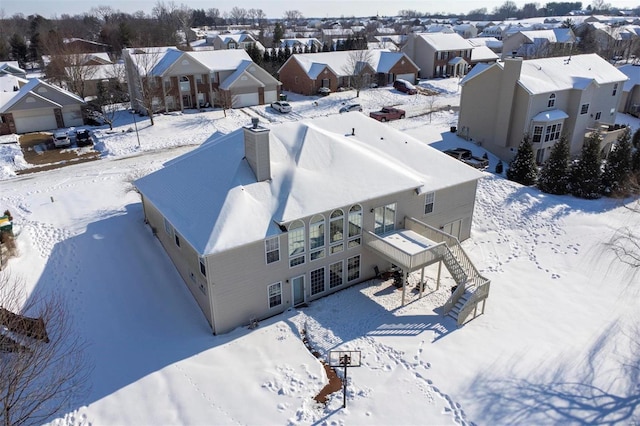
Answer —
(225, 99)
(43, 365)
(214, 14)
(148, 87)
(293, 15)
(238, 14)
(431, 101)
(625, 243)
(183, 15)
(359, 68)
(112, 94)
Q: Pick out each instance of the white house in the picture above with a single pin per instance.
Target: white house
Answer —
(263, 219)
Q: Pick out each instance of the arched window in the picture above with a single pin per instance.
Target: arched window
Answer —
(296, 243)
(552, 100)
(316, 237)
(355, 226)
(336, 231)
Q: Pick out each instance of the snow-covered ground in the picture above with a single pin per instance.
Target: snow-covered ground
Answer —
(559, 342)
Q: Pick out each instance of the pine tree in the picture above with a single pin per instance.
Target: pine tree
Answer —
(554, 175)
(636, 139)
(586, 175)
(523, 168)
(278, 33)
(617, 170)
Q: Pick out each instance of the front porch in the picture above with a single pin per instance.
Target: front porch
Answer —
(419, 245)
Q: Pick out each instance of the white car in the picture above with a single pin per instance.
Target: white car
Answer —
(61, 139)
(281, 106)
(351, 107)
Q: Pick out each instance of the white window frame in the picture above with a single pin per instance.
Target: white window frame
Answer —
(615, 89)
(317, 230)
(276, 288)
(429, 202)
(355, 218)
(271, 245)
(598, 115)
(311, 281)
(584, 109)
(349, 277)
(297, 258)
(388, 223)
(552, 100)
(341, 275)
(336, 239)
(203, 268)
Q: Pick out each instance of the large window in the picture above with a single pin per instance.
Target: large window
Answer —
(316, 237)
(552, 132)
(272, 249)
(384, 217)
(615, 89)
(552, 100)
(537, 133)
(336, 231)
(296, 243)
(355, 226)
(429, 200)
(353, 268)
(584, 108)
(335, 274)
(598, 115)
(185, 86)
(275, 295)
(317, 281)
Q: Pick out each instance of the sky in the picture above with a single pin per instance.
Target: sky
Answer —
(559, 335)
(273, 8)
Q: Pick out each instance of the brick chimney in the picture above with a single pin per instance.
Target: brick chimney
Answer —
(256, 150)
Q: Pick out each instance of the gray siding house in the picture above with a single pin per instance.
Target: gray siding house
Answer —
(264, 219)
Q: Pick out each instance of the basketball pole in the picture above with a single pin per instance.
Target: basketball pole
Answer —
(345, 361)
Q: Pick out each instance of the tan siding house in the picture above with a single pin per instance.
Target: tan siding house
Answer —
(544, 98)
(265, 219)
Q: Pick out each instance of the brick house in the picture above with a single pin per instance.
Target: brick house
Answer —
(307, 72)
(439, 54)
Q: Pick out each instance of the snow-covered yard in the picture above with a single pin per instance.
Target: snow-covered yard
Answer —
(559, 342)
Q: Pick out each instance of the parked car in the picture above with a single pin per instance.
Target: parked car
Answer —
(405, 87)
(324, 91)
(83, 137)
(281, 106)
(467, 157)
(61, 139)
(387, 114)
(351, 107)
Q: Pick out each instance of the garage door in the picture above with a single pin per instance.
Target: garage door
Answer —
(35, 123)
(245, 99)
(72, 117)
(270, 96)
(411, 78)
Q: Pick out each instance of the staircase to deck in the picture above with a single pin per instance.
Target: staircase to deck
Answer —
(472, 288)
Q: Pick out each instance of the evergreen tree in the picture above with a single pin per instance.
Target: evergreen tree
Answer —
(586, 174)
(636, 139)
(554, 175)
(313, 49)
(266, 56)
(287, 53)
(18, 50)
(325, 47)
(278, 33)
(617, 170)
(523, 168)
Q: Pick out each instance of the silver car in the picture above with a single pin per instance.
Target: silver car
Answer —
(351, 107)
(281, 106)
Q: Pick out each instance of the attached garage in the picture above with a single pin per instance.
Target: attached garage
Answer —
(245, 99)
(411, 78)
(270, 96)
(34, 120)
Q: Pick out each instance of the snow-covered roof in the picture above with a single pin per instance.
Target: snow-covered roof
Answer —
(490, 42)
(28, 89)
(221, 60)
(555, 35)
(381, 60)
(566, 72)
(633, 73)
(483, 54)
(445, 41)
(100, 72)
(211, 196)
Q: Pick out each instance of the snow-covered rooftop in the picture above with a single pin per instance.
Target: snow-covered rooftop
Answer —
(633, 73)
(212, 198)
(445, 41)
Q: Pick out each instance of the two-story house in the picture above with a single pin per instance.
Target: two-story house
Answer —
(305, 73)
(184, 80)
(544, 98)
(439, 54)
(539, 43)
(264, 219)
(234, 41)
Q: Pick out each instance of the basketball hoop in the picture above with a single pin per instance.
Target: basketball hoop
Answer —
(344, 359)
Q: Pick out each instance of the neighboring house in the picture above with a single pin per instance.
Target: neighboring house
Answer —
(467, 30)
(331, 36)
(12, 68)
(39, 106)
(491, 42)
(439, 54)
(262, 220)
(630, 102)
(544, 98)
(92, 75)
(184, 80)
(302, 44)
(539, 44)
(495, 31)
(234, 41)
(306, 73)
